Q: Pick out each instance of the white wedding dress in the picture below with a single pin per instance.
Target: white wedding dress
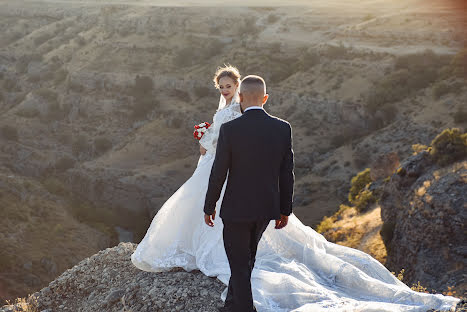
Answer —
(296, 269)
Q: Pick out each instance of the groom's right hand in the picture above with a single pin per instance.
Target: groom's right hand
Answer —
(282, 221)
(208, 220)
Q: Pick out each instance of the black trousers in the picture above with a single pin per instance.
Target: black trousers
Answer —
(241, 240)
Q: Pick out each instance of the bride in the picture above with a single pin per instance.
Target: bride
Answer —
(296, 269)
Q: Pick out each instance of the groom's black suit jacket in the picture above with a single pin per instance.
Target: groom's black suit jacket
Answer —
(255, 151)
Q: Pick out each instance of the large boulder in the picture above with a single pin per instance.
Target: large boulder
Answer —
(108, 281)
(423, 207)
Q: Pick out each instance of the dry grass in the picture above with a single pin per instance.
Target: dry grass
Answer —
(23, 304)
(360, 231)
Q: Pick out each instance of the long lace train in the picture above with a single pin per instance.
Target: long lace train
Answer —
(296, 269)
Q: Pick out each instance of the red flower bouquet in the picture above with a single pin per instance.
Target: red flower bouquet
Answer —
(200, 130)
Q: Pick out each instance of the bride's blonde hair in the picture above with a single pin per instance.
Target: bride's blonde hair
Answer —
(226, 71)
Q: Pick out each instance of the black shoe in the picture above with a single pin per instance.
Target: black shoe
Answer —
(224, 309)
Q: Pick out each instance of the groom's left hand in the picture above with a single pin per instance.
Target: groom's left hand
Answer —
(207, 218)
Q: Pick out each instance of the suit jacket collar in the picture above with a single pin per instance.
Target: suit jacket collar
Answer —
(254, 112)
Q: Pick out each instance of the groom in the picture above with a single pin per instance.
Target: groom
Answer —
(255, 150)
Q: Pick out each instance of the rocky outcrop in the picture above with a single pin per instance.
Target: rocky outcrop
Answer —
(423, 207)
(108, 281)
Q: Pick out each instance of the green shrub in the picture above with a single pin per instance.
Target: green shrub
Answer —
(58, 229)
(449, 146)
(364, 199)
(9, 132)
(328, 222)
(418, 148)
(358, 183)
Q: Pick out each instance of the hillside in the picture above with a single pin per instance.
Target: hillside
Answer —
(98, 102)
(411, 218)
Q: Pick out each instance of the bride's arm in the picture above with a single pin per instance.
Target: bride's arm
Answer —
(209, 139)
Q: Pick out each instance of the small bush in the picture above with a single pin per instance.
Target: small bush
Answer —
(358, 183)
(9, 133)
(64, 163)
(449, 146)
(60, 76)
(143, 105)
(272, 18)
(368, 17)
(143, 85)
(364, 199)
(55, 186)
(79, 145)
(328, 222)
(417, 148)
(102, 145)
(58, 229)
(336, 52)
(460, 116)
(80, 40)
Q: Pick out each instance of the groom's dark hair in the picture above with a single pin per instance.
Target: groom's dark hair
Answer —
(253, 85)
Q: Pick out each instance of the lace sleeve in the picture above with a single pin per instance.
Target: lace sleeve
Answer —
(209, 139)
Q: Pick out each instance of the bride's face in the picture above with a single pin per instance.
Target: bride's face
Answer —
(227, 87)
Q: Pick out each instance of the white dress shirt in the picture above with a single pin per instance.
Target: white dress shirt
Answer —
(253, 107)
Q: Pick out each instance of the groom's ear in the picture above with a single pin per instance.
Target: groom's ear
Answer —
(240, 97)
(265, 98)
